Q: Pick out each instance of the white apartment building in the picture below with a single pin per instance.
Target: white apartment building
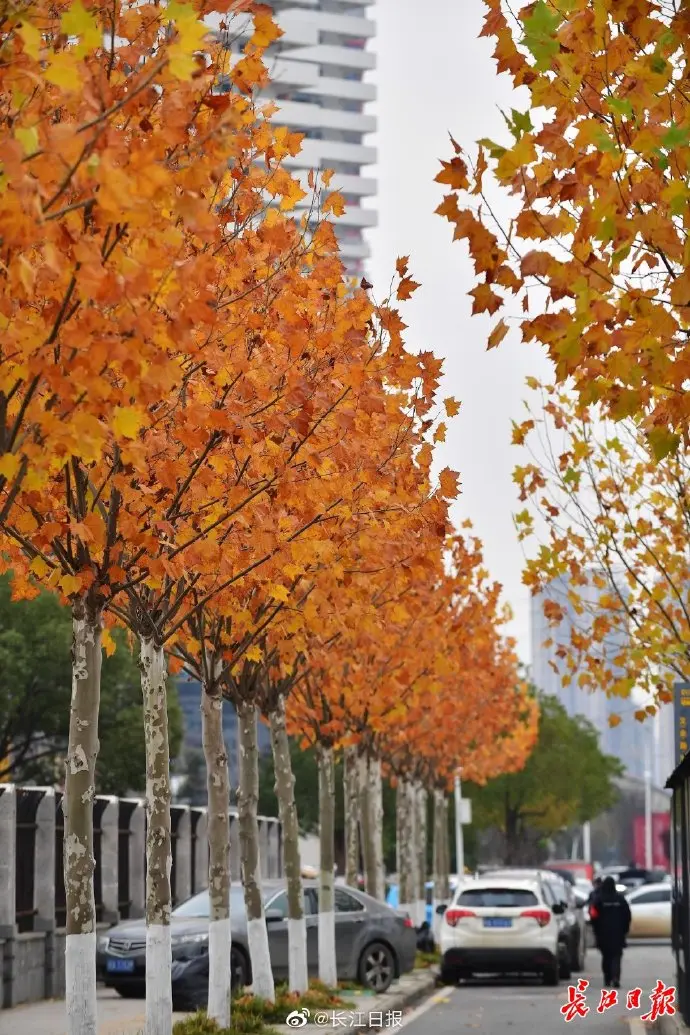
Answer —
(318, 70)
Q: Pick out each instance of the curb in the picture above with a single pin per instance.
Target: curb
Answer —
(396, 999)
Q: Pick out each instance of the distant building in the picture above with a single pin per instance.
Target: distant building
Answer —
(638, 745)
(189, 693)
(317, 70)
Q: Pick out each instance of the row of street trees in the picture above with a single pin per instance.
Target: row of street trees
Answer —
(595, 267)
(211, 441)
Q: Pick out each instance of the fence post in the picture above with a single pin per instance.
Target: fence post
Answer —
(8, 884)
(44, 882)
(200, 849)
(137, 861)
(182, 853)
(109, 858)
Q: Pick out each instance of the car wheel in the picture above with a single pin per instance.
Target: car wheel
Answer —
(239, 969)
(564, 970)
(551, 974)
(449, 976)
(376, 967)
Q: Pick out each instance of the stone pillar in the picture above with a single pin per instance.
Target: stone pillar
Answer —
(108, 861)
(8, 860)
(182, 862)
(263, 845)
(234, 845)
(44, 861)
(44, 882)
(200, 849)
(137, 860)
(8, 872)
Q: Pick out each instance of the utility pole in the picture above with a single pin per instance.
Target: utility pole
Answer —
(648, 809)
(459, 839)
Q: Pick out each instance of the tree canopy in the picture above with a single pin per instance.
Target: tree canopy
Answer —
(566, 780)
(35, 692)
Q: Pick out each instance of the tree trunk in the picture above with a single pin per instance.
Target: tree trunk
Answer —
(285, 793)
(419, 848)
(328, 970)
(375, 798)
(404, 801)
(367, 826)
(351, 782)
(158, 840)
(248, 801)
(441, 889)
(77, 805)
(445, 840)
(218, 834)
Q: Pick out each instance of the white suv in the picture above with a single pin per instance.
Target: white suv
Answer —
(500, 926)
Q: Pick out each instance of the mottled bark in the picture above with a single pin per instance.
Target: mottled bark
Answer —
(250, 861)
(328, 972)
(441, 885)
(445, 841)
(420, 849)
(405, 804)
(376, 806)
(80, 789)
(218, 835)
(285, 793)
(367, 825)
(158, 839)
(351, 789)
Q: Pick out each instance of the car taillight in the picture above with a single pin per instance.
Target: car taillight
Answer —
(453, 916)
(542, 916)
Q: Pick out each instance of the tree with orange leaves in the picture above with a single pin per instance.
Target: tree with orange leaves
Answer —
(598, 163)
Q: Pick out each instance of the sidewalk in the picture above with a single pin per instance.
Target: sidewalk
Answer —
(671, 1026)
(127, 1017)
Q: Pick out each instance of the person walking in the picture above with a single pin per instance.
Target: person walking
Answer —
(610, 915)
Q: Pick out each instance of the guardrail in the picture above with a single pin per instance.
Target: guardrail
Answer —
(32, 890)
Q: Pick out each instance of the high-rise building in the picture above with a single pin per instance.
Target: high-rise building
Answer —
(318, 69)
(638, 745)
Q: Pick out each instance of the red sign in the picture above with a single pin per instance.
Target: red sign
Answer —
(661, 832)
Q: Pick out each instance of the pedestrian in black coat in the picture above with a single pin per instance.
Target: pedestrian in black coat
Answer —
(610, 914)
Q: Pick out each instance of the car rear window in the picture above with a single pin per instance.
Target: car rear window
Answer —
(497, 898)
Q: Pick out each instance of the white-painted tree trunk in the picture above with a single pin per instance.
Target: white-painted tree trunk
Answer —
(439, 849)
(404, 818)
(250, 858)
(376, 805)
(328, 968)
(420, 848)
(218, 834)
(158, 840)
(298, 973)
(351, 789)
(80, 789)
(367, 827)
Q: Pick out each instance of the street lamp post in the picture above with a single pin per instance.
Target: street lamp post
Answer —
(459, 840)
(648, 808)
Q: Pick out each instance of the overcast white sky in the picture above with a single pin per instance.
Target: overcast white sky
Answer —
(434, 76)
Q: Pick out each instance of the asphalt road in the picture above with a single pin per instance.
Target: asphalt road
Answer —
(525, 1007)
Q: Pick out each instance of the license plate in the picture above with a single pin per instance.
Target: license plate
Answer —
(497, 921)
(119, 966)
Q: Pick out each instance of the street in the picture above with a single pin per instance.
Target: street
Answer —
(525, 1007)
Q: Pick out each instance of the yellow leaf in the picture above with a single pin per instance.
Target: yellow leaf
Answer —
(127, 422)
(77, 21)
(191, 34)
(254, 653)
(39, 567)
(498, 334)
(31, 38)
(63, 71)
(9, 465)
(452, 406)
(108, 642)
(28, 138)
(70, 584)
(280, 593)
(614, 720)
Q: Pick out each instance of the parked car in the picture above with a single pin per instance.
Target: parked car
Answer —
(650, 906)
(573, 920)
(374, 944)
(501, 926)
